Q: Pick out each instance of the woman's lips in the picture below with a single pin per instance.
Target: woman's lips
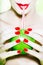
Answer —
(23, 6)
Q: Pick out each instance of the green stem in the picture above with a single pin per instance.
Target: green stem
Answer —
(28, 37)
(2, 61)
(41, 61)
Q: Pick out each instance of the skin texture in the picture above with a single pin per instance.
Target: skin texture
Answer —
(12, 18)
(22, 61)
(19, 11)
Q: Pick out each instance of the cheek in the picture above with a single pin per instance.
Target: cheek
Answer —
(23, 1)
(17, 9)
(12, 2)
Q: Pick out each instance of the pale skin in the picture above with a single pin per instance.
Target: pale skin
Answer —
(10, 20)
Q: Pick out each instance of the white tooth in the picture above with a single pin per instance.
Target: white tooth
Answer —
(23, 6)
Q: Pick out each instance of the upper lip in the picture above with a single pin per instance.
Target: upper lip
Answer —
(19, 4)
(22, 4)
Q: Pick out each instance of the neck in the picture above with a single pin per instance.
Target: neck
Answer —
(28, 15)
(31, 14)
(29, 18)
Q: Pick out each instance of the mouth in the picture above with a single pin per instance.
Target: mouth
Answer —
(25, 6)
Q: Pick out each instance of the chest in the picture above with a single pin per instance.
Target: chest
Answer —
(9, 30)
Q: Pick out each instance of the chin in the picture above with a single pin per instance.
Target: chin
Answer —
(19, 12)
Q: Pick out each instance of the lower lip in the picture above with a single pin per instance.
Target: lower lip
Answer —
(23, 6)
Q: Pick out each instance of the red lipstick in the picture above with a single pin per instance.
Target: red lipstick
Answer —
(23, 5)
